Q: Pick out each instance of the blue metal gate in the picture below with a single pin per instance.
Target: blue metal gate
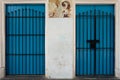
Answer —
(95, 40)
(25, 39)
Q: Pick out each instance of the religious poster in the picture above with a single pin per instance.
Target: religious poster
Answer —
(60, 8)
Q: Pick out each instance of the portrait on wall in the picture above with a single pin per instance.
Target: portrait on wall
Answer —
(60, 8)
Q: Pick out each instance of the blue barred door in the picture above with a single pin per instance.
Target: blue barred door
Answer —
(25, 39)
(95, 40)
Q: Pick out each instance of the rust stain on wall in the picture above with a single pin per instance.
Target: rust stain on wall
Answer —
(60, 8)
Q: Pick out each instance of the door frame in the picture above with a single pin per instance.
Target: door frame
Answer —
(117, 38)
(3, 3)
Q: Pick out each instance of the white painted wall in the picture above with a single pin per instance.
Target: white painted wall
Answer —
(2, 57)
(59, 48)
(117, 41)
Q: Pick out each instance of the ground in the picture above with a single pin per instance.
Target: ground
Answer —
(43, 78)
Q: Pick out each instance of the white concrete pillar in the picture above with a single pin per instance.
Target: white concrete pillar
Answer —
(117, 40)
(2, 57)
(59, 48)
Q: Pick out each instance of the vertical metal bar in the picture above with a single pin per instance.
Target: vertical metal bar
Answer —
(18, 41)
(95, 39)
(91, 39)
(77, 70)
(106, 42)
(22, 41)
(33, 40)
(99, 44)
(103, 42)
(110, 43)
(6, 21)
(12, 20)
(15, 41)
(87, 44)
(83, 43)
(42, 42)
(29, 23)
(25, 56)
(41, 30)
(7, 42)
(113, 44)
(11, 26)
(27, 39)
(79, 51)
(39, 43)
(36, 42)
(42, 39)
(77, 17)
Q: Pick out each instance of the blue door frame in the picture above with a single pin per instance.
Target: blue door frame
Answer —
(25, 39)
(95, 40)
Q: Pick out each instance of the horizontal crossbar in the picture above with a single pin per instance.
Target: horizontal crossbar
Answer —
(96, 48)
(25, 34)
(25, 54)
(25, 16)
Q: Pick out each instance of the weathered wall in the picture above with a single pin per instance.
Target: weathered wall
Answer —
(117, 41)
(2, 54)
(60, 43)
(59, 48)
